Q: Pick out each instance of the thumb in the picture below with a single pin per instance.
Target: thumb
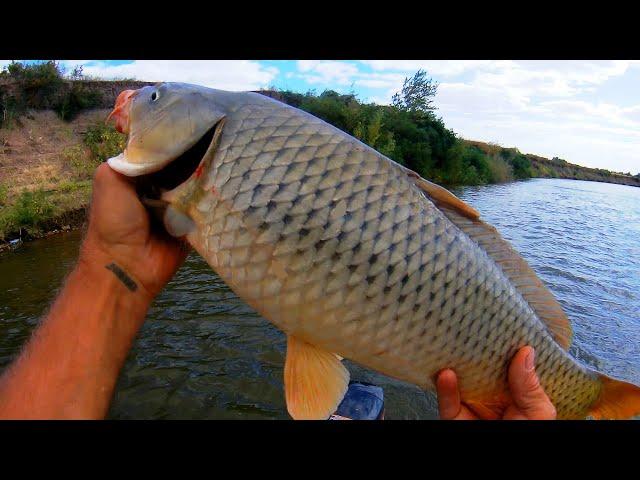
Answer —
(528, 395)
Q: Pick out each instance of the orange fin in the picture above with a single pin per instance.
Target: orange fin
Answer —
(315, 381)
(485, 411)
(441, 196)
(618, 400)
(489, 408)
(524, 279)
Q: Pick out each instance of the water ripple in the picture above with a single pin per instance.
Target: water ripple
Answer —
(203, 353)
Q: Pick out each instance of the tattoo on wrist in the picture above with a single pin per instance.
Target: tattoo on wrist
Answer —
(122, 276)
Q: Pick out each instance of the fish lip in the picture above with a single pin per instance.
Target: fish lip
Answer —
(120, 112)
(120, 164)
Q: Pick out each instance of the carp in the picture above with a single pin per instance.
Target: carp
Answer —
(350, 254)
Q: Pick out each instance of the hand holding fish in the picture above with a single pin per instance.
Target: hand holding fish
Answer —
(120, 232)
(69, 368)
(530, 402)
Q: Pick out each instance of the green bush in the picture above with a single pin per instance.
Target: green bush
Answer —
(100, 142)
(28, 212)
(80, 97)
(500, 170)
(38, 84)
(104, 141)
(41, 86)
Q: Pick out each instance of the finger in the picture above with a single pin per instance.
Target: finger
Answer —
(528, 395)
(513, 413)
(448, 394)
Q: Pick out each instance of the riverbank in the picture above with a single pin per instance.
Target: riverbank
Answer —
(542, 167)
(53, 136)
(46, 169)
(66, 222)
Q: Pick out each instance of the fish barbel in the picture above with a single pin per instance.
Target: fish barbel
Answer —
(350, 254)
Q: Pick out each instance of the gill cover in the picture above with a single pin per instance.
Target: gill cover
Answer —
(163, 122)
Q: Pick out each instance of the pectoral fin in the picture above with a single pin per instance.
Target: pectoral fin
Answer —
(315, 381)
(177, 223)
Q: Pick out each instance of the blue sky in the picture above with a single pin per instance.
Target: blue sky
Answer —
(587, 112)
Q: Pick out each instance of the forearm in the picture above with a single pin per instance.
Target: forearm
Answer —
(70, 366)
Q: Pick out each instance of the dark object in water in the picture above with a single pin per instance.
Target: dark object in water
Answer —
(15, 244)
(363, 401)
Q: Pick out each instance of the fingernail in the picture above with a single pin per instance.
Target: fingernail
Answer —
(530, 360)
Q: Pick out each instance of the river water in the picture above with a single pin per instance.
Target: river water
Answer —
(204, 354)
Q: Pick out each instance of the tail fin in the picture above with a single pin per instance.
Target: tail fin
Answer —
(618, 400)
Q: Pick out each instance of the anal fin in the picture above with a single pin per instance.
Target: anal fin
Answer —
(315, 381)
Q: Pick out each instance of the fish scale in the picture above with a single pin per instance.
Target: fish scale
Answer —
(280, 177)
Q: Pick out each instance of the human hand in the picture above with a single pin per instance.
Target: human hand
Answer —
(530, 402)
(120, 232)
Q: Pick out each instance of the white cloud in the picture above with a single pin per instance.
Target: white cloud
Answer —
(332, 72)
(515, 78)
(381, 80)
(433, 67)
(223, 74)
(327, 71)
(477, 99)
(548, 78)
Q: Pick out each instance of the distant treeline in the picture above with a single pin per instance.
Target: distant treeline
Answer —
(409, 132)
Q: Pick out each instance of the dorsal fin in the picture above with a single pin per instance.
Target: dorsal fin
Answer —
(441, 196)
(533, 290)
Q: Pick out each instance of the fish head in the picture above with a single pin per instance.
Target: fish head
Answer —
(163, 122)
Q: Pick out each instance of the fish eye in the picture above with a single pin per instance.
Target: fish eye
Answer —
(154, 96)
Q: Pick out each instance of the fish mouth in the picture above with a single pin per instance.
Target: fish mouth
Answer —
(179, 170)
(122, 164)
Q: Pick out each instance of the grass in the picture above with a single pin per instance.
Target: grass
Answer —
(4, 191)
(80, 162)
(30, 210)
(100, 143)
(73, 186)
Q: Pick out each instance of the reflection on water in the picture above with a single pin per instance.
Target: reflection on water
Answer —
(202, 353)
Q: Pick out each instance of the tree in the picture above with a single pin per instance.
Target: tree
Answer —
(417, 94)
(77, 73)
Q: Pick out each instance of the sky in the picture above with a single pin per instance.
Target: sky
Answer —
(586, 112)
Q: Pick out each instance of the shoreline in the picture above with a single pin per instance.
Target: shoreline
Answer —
(76, 218)
(63, 223)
